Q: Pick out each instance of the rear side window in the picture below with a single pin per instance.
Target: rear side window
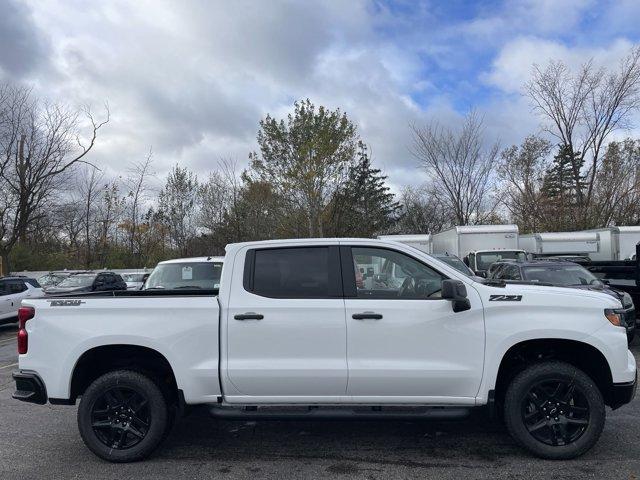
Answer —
(17, 287)
(293, 273)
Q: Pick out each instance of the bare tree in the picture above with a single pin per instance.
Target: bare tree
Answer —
(136, 183)
(422, 211)
(521, 172)
(39, 144)
(461, 169)
(617, 186)
(582, 110)
(89, 191)
(218, 196)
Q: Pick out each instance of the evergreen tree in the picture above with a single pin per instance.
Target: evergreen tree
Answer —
(364, 204)
(559, 179)
(560, 189)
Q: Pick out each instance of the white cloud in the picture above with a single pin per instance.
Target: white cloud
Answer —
(193, 79)
(513, 65)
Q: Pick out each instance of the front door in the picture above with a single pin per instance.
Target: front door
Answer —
(286, 331)
(403, 340)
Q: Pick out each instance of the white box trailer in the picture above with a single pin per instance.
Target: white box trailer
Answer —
(420, 241)
(479, 245)
(628, 237)
(608, 244)
(561, 243)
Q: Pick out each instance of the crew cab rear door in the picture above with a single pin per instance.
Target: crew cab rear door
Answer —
(285, 325)
(404, 342)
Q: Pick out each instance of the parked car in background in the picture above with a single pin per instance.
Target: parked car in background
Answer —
(134, 281)
(455, 262)
(12, 291)
(89, 282)
(199, 273)
(565, 274)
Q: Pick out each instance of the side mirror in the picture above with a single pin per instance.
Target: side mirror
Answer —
(466, 260)
(481, 273)
(456, 291)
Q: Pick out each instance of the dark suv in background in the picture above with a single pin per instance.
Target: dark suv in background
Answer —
(561, 273)
(89, 282)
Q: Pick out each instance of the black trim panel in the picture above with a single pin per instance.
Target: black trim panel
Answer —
(348, 272)
(623, 393)
(62, 401)
(29, 388)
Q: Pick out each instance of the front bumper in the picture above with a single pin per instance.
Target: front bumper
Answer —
(29, 388)
(623, 393)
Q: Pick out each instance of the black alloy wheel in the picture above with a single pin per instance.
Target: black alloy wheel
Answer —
(121, 417)
(555, 412)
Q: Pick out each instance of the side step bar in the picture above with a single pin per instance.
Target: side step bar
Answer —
(338, 413)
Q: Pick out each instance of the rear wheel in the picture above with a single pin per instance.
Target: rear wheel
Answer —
(123, 416)
(554, 410)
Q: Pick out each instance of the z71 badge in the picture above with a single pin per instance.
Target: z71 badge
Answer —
(66, 303)
(505, 298)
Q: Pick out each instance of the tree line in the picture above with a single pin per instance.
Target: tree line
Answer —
(312, 176)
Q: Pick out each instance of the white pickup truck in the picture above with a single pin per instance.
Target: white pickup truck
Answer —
(298, 330)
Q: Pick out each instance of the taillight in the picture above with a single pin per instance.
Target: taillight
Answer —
(24, 314)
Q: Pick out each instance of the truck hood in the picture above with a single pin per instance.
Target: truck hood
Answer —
(617, 294)
(609, 300)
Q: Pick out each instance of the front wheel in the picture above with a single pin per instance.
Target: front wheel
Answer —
(554, 410)
(123, 416)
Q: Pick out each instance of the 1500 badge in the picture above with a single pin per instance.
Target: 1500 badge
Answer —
(66, 303)
(505, 298)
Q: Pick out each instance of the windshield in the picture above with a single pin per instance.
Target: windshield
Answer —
(48, 280)
(205, 275)
(456, 263)
(77, 281)
(132, 277)
(485, 259)
(559, 274)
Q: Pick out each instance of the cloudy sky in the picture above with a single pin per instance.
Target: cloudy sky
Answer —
(193, 78)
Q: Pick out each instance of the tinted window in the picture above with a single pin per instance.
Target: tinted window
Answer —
(16, 287)
(3, 288)
(292, 272)
(387, 274)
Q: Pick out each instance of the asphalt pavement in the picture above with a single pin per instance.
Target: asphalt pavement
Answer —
(43, 442)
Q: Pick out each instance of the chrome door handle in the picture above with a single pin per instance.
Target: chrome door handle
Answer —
(367, 316)
(249, 316)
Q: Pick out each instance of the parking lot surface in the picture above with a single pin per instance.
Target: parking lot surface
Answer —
(43, 442)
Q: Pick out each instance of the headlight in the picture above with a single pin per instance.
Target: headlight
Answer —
(615, 317)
